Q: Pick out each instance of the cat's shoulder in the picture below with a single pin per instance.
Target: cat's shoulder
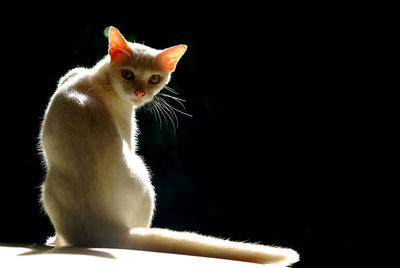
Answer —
(75, 86)
(72, 75)
(72, 94)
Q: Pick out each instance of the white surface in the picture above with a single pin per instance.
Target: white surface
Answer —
(19, 255)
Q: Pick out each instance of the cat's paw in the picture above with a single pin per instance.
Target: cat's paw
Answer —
(51, 241)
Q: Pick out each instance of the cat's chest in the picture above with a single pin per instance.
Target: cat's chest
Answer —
(125, 125)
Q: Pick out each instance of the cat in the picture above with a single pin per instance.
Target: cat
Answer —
(97, 191)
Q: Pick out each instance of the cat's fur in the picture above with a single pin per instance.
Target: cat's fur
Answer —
(97, 191)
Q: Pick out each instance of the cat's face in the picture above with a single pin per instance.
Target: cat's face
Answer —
(138, 72)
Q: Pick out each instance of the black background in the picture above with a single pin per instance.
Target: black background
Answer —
(272, 154)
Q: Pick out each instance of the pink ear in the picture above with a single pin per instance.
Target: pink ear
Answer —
(117, 44)
(168, 58)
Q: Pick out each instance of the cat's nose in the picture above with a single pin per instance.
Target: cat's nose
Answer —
(140, 92)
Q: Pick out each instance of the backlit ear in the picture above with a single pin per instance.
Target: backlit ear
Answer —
(118, 47)
(168, 58)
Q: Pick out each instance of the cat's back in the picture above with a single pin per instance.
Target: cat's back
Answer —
(76, 114)
(76, 93)
(72, 76)
(75, 88)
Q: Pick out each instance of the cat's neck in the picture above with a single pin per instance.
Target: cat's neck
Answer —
(121, 111)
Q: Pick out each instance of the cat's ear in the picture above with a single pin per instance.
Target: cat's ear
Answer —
(168, 58)
(117, 45)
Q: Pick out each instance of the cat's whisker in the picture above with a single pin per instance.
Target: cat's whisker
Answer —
(158, 115)
(159, 112)
(170, 89)
(168, 108)
(171, 111)
(164, 109)
(178, 100)
(167, 112)
(172, 97)
(152, 109)
(177, 110)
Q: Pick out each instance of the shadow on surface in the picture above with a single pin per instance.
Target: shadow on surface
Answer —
(37, 249)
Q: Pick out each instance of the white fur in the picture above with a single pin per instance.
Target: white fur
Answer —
(88, 139)
(98, 191)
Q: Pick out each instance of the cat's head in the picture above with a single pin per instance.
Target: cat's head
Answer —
(138, 72)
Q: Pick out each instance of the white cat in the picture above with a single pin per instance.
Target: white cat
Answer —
(98, 191)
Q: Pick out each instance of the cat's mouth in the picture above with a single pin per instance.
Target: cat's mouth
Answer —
(138, 101)
(138, 98)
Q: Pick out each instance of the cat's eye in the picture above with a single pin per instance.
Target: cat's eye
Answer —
(127, 74)
(155, 79)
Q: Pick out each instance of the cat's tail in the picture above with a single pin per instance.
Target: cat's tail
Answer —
(163, 240)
